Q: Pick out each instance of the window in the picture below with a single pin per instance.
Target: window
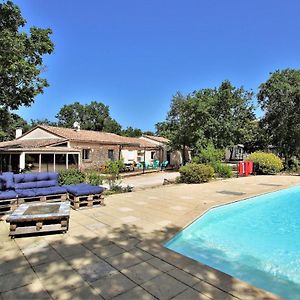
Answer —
(152, 154)
(86, 153)
(111, 154)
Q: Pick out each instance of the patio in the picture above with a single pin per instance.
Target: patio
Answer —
(115, 251)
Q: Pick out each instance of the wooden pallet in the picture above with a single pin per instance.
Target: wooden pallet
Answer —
(18, 228)
(49, 198)
(87, 201)
(7, 206)
(24, 222)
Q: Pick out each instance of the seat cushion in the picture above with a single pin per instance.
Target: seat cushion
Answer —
(83, 189)
(8, 195)
(50, 191)
(9, 180)
(25, 193)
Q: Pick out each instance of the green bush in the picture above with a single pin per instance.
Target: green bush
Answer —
(71, 176)
(266, 163)
(93, 177)
(222, 170)
(114, 167)
(209, 154)
(294, 165)
(196, 173)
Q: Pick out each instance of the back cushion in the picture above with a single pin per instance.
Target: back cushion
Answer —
(2, 183)
(9, 180)
(36, 180)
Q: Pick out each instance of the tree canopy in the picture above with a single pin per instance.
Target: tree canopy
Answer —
(221, 116)
(279, 98)
(92, 116)
(9, 122)
(21, 58)
(132, 132)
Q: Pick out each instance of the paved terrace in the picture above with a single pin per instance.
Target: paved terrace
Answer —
(115, 252)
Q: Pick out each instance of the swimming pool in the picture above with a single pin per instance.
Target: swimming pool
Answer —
(256, 240)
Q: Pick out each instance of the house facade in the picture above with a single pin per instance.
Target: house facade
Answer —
(174, 157)
(49, 148)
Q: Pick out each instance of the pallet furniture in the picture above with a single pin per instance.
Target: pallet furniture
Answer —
(84, 195)
(8, 201)
(39, 217)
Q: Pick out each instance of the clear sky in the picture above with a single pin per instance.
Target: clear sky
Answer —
(134, 55)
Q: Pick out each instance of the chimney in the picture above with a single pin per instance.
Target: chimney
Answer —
(19, 132)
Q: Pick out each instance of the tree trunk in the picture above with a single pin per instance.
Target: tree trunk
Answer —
(183, 155)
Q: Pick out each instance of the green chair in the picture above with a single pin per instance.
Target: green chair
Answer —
(156, 164)
(164, 164)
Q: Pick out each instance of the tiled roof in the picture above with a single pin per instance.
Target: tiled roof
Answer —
(36, 143)
(95, 136)
(88, 135)
(159, 139)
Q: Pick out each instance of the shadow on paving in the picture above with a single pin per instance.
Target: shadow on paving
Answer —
(119, 263)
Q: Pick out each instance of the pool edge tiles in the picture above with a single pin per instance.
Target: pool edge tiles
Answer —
(259, 227)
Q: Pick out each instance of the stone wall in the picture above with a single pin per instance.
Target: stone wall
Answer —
(98, 154)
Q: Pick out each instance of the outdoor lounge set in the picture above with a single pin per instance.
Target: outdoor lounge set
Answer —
(37, 201)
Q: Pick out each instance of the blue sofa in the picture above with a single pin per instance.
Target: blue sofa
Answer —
(30, 185)
(18, 188)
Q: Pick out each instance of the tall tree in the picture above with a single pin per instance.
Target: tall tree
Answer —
(279, 98)
(21, 58)
(132, 132)
(35, 122)
(9, 122)
(92, 116)
(220, 116)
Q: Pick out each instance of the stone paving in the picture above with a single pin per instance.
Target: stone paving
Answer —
(116, 252)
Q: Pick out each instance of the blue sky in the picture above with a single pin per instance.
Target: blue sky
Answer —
(134, 55)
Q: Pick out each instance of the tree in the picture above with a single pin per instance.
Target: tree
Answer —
(219, 116)
(180, 125)
(35, 122)
(93, 116)
(279, 98)
(149, 133)
(21, 58)
(112, 126)
(9, 122)
(132, 132)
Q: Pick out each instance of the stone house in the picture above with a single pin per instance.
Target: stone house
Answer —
(49, 148)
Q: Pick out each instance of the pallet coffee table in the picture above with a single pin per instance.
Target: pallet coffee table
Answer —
(39, 217)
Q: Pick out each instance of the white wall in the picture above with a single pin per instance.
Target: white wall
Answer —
(39, 133)
(129, 155)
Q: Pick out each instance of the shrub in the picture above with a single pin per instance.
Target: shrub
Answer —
(71, 176)
(294, 165)
(94, 178)
(196, 173)
(114, 167)
(223, 170)
(209, 154)
(266, 163)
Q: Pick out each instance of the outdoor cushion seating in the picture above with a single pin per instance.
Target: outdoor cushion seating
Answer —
(29, 185)
(8, 195)
(83, 189)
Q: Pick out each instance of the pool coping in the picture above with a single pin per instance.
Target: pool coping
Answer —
(268, 294)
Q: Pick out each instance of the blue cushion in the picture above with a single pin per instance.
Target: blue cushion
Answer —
(49, 191)
(48, 176)
(26, 193)
(9, 178)
(83, 189)
(35, 180)
(2, 183)
(8, 195)
(46, 183)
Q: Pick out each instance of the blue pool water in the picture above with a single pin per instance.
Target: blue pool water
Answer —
(256, 240)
